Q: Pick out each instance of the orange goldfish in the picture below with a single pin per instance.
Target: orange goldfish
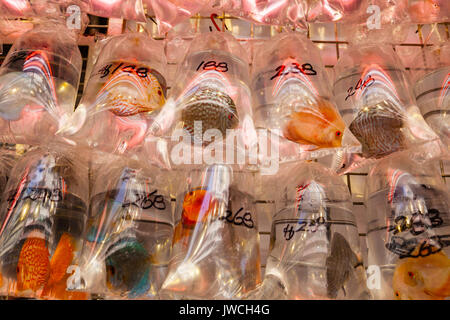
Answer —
(1, 280)
(196, 205)
(33, 268)
(422, 278)
(321, 126)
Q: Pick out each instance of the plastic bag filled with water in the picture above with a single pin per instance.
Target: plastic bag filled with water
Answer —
(38, 83)
(43, 214)
(432, 89)
(373, 95)
(408, 234)
(429, 11)
(314, 245)
(212, 100)
(126, 89)
(215, 249)
(292, 98)
(129, 231)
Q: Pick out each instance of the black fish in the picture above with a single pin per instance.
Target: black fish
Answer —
(379, 129)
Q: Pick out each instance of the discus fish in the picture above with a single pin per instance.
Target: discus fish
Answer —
(321, 126)
(379, 129)
(128, 267)
(130, 92)
(341, 265)
(33, 269)
(215, 109)
(61, 259)
(424, 11)
(196, 206)
(422, 278)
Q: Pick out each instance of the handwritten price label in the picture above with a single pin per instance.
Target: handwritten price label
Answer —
(213, 65)
(239, 219)
(306, 225)
(360, 85)
(146, 201)
(294, 68)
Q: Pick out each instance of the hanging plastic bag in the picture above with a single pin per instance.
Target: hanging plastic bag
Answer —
(38, 83)
(125, 90)
(292, 97)
(314, 249)
(129, 231)
(211, 98)
(429, 11)
(43, 214)
(432, 89)
(408, 231)
(373, 95)
(125, 9)
(331, 10)
(215, 253)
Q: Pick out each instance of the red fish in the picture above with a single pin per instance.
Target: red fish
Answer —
(196, 206)
(33, 268)
(319, 125)
(61, 259)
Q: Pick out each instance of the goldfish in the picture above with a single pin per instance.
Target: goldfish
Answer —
(321, 126)
(422, 278)
(33, 268)
(1, 280)
(196, 206)
(128, 267)
(379, 129)
(214, 108)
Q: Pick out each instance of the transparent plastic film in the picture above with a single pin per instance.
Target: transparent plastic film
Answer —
(126, 9)
(314, 247)
(373, 95)
(43, 214)
(408, 230)
(38, 84)
(129, 231)
(126, 90)
(331, 10)
(429, 11)
(292, 98)
(215, 249)
(432, 90)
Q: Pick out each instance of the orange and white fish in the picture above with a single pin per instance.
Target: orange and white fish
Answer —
(422, 278)
(319, 125)
(424, 11)
(33, 268)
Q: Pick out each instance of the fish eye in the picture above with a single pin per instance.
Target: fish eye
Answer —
(338, 133)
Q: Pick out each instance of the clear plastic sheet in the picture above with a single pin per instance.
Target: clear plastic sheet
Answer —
(125, 9)
(129, 231)
(43, 214)
(429, 11)
(38, 83)
(373, 95)
(292, 98)
(314, 246)
(125, 92)
(432, 89)
(215, 253)
(408, 231)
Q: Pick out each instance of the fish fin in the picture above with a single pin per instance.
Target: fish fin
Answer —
(61, 259)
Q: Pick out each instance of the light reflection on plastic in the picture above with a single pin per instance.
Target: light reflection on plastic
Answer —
(445, 90)
(18, 5)
(378, 74)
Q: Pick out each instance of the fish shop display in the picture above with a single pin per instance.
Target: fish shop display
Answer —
(129, 232)
(38, 83)
(224, 150)
(215, 247)
(43, 215)
(408, 234)
(212, 89)
(314, 243)
(125, 91)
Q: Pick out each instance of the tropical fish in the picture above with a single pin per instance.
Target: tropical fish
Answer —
(61, 259)
(59, 291)
(196, 206)
(341, 264)
(424, 11)
(128, 267)
(130, 92)
(379, 129)
(214, 108)
(33, 269)
(422, 278)
(319, 125)
(1, 280)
